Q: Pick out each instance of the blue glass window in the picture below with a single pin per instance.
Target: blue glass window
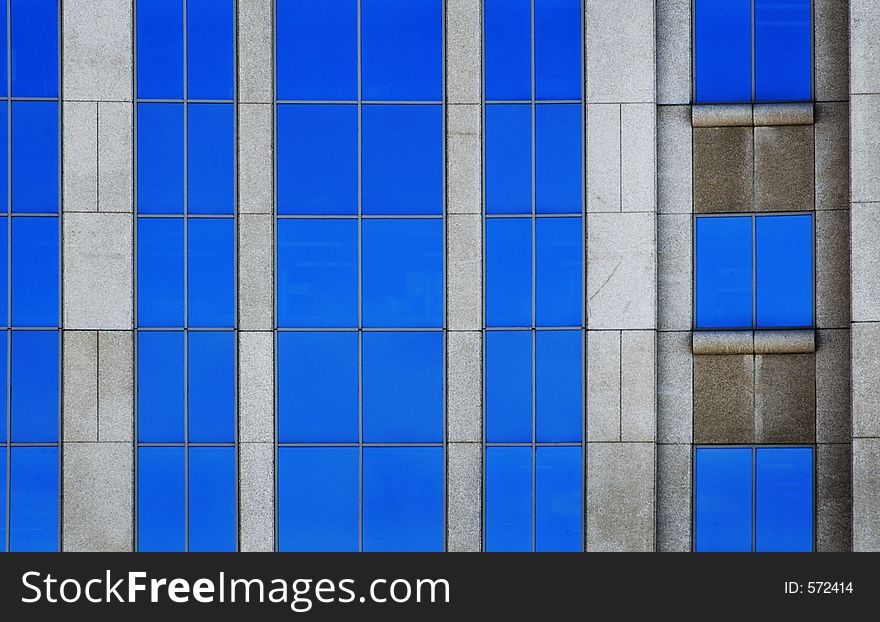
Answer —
(161, 499)
(211, 374)
(508, 499)
(559, 499)
(318, 510)
(35, 271)
(772, 291)
(4, 391)
(731, 66)
(210, 36)
(211, 272)
(4, 154)
(402, 159)
(34, 48)
(160, 158)
(212, 504)
(318, 387)
(402, 48)
(160, 386)
(508, 43)
(751, 499)
(403, 387)
(160, 49)
(317, 273)
(317, 159)
(558, 49)
(317, 49)
(403, 499)
(160, 268)
(35, 156)
(33, 507)
(403, 273)
(559, 278)
(35, 386)
(558, 146)
(508, 272)
(559, 385)
(210, 158)
(509, 386)
(3, 505)
(509, 159)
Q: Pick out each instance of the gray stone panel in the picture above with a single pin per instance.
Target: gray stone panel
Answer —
(464, 371)
(834, 498)
(255, 54)
(464, 271)
(831, 49)
(833, 418)
(722, 115)
(674, 261)
(865, 147)
(785, 341)
(674, 498)
(866, 379)
(96, 49)
(638, 386)
(864, 22)
(603, 385)
(115, 386)
(723, 169)
(464, 183)
(723, 342)
(80, 371)
(256, 391)
(866, 494)
(675, 388)
(98, 271)
(115, 166)
(638, 158)
(785, 398)
(80, 168)
(777, 114)
(832, 269)
(255, 159)
(865, 280)
(674, 160)
(463, 48)
(622, 279)
(256, 489)
(620, 51)
(673, 51)
(603, 158)
(98, 497)
(832, 156)
(620, 497)
(784, 168)
(724, 399)
(464, 496)
(256, 287)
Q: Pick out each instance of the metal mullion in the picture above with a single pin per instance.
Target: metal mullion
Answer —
(483, 333)
(583, 293)
(185, 282)
(134, 261)
(275, 323)
(534, 224)
(235, 286)
(360, 295)
(59, 329)
(8, 482)
(754, 64)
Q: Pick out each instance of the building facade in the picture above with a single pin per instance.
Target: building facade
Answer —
(464, 275)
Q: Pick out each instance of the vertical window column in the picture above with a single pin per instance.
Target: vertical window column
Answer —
(360, 317)
(29, 273)
(186, 417)
(534, 274)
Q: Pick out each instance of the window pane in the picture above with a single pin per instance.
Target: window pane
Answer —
(508, 499)
(402, 49)
(724, 272)
(558, 49)
(509, 386)
(160, 272)
(559, 285)
(210, 158)
(212, 499)
(317, 49)
(160, 49)
(35, 48)
(724, 499)
(35, 386)
(403, 273)
(403, 387)
(508, 49)
(558, 147)
(509, 272)
(34, 157)
(508, 159)
(403, 499)
(35, 271)
(4, 271)
(211, 397)
(160, 387)
(784, 249)
(559, 388)
(783, 38)
(318, 499)
(317, 159)
(33, 516)
(210, 39)
(211, 265)
(4, 65)
(558, 499)
(318, 273)
(4, 152)
(160, 158)
(318, 387)
(784, 499)
(723, 63)
(402, 159)
(4, 371)
(161, 499)
(3, 480)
